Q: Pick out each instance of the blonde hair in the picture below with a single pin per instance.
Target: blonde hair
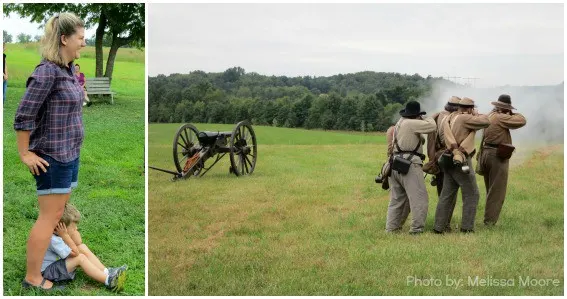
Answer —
(70, 215)
(57, 26)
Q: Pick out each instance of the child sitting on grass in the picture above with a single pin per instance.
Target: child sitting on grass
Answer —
(67, 251)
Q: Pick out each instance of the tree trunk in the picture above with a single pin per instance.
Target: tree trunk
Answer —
(112, 56)
(98, 43)
(117, 42)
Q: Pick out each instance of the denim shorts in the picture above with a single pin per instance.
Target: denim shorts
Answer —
(60, 178)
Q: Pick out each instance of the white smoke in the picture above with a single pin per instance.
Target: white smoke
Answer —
(542, 106)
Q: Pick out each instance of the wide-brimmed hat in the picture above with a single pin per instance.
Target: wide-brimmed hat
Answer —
(467, 103)
(504, 102)
(413, 108)
(454, 101)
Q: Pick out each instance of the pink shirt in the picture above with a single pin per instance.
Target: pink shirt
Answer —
(81, 78)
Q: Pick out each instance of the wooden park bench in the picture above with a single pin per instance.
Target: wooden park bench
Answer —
(99, 86)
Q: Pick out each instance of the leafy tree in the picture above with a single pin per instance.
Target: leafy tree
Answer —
(347, 119)
(233, 74)
(7, 37)
(24, 38)
(199, 112)
(283, 108)
(318, 107)
(271, 111)
(300, 109)
(126, 23)
(327, 120)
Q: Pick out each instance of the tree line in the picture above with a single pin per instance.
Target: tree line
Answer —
(21, 38)
(363, 101)
(24, 38)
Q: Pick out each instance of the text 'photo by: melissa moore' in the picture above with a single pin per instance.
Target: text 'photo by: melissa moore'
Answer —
(355, 149)
(74, 128)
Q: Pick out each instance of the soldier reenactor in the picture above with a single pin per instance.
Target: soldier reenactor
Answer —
(459, 132)
(495, 152)
(435, 147)
(386, 172)
(406, 179)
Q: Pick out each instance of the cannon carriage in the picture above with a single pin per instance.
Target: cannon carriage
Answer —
(192, 148)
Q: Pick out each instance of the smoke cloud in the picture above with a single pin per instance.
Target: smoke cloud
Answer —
(543, 107)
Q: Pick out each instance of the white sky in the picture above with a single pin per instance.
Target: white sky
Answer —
(15, 25)
(516, 44)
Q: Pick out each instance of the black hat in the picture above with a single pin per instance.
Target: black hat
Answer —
(504, 101)
(412, 109)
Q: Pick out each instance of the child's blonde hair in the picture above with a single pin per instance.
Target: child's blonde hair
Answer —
(57, 26)
(70, 215)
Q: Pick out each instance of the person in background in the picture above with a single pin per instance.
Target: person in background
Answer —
(5, 85)
(81, 77)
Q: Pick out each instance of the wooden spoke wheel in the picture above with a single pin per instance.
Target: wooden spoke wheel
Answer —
(185, 146)
(243, 149)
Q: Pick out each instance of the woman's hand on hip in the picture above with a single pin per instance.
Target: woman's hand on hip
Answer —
(34, 162)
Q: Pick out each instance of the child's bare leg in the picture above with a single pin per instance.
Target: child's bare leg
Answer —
(91, 256)
(91, 270)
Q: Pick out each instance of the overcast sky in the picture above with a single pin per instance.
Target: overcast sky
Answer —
(516, 44)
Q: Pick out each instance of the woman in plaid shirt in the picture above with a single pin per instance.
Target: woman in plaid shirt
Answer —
(50, 133)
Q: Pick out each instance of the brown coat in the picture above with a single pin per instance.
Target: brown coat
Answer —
(409, 135)
(495, 169)
(500, 124)
(460, 129)
(435, 139)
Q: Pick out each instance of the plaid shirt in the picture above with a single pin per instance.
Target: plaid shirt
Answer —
(52, 110)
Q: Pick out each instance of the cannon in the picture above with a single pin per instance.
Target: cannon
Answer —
(191, 148)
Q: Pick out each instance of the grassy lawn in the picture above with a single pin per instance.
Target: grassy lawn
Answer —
(110, 195)
(310, 221)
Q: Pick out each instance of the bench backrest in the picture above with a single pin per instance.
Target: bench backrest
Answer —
(94, 85)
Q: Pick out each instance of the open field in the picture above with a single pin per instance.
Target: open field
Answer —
(110, 195)
(310, 221)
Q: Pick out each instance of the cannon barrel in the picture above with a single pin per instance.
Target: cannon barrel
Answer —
(192, 148)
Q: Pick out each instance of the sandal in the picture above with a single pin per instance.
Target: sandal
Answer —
(27, 285)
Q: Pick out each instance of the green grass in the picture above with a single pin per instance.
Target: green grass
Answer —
(128, 72)
(310, 221)
(110, 195)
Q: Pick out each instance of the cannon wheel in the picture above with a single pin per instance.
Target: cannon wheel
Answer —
(243, 149)
(185, 145)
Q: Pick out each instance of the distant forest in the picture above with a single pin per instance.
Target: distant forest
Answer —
(364, 101)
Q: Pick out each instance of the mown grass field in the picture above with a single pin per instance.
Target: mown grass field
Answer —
(110, 195)
(310, 221)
